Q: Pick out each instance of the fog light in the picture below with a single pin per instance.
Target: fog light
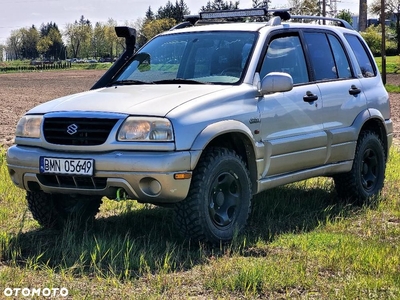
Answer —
(150, 186)
(13, 177)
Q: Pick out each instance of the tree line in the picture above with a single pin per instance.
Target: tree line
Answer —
(82, 39)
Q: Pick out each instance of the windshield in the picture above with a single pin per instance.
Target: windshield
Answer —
(193, 58)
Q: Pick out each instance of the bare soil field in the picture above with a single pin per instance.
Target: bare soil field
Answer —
(21, 91)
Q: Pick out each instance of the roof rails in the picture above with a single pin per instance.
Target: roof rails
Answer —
(340, 22)
(279, 14)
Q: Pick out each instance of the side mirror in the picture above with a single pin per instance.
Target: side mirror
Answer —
(276, 82)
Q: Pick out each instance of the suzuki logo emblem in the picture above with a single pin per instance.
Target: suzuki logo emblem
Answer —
(72, 129)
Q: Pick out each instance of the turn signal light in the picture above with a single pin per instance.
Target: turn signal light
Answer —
(179, 176)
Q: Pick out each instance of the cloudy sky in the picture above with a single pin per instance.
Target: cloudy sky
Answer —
(16, 14)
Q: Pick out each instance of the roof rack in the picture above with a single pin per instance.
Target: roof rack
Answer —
(278, 14)
(238, 13)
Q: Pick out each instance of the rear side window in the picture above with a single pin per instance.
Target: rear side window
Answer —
(342, 66)
(321, 56)
(363, 57)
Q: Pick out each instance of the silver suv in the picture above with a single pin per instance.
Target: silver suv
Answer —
(202, 118)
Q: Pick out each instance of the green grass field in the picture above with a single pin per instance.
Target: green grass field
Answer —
(301, 242)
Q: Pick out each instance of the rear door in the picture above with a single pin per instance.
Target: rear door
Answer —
(291, 122)
(342, 93)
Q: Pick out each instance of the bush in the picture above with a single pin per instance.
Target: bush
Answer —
(373, 37)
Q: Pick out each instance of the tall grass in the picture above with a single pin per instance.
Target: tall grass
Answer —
(301, 242)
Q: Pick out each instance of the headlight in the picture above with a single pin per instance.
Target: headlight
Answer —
(29, 126)
(146, 129)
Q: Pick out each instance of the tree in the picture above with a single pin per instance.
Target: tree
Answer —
(305, 7)
(79, 36)
(261, 3)
(346, 15)
(99, 40)
(29, 40)
(14, 44)
(112, 40)
(220, 5)
(152, 28)
(149, 14)
(44, 45)
(170, 11)
(56, 47)
(392, 8)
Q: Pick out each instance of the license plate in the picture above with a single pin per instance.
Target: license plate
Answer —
(68, 166)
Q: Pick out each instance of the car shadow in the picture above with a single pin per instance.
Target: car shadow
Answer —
(146, 237)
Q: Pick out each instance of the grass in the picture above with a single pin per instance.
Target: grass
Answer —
(301, 242)
(392, 64)
(21, 65)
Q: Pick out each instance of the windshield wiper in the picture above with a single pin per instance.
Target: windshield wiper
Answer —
(129, 82)
(178, 80)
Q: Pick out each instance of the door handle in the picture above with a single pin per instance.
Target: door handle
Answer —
(310, 97)
(354, 90)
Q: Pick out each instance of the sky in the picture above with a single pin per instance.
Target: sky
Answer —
(17, 14)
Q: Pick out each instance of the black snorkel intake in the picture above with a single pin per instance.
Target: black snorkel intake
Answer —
(130, 40)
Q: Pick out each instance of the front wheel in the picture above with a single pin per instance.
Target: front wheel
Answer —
(53, 211)
(365, 180)
(219, 199)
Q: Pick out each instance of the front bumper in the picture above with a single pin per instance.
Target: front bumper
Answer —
(144, 176)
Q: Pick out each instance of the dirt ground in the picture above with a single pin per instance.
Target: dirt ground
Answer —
(21, 91)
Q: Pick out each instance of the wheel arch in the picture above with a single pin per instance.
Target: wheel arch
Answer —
(233, 135)
(376, 124)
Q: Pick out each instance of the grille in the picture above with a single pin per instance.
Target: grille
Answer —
(79, 182)
(77, 131)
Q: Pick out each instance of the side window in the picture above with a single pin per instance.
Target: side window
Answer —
(321, 56)
(285, 54)
(342, 67)
(363, 58)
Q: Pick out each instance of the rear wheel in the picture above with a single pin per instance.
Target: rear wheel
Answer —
(219, 199)
(365, 180)
(54, 210)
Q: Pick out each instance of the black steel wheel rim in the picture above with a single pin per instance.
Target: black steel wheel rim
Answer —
(224, 199)
(370, 169)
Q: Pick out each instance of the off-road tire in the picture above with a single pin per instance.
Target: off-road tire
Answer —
(219, 200)
(54, 210)
(366, 178)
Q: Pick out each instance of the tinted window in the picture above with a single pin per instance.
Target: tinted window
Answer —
(321, 56)
(285, 54)
(342, 66)
(363, 58)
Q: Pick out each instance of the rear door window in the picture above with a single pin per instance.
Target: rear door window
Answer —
(328, 57)
(322, 61)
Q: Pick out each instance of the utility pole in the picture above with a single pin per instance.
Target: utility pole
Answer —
(383, 45)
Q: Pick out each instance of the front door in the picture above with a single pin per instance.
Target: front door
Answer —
(291, 122)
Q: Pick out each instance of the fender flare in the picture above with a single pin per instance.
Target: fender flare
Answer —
(214, 130)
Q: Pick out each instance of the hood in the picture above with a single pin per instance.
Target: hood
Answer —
(154, 100)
